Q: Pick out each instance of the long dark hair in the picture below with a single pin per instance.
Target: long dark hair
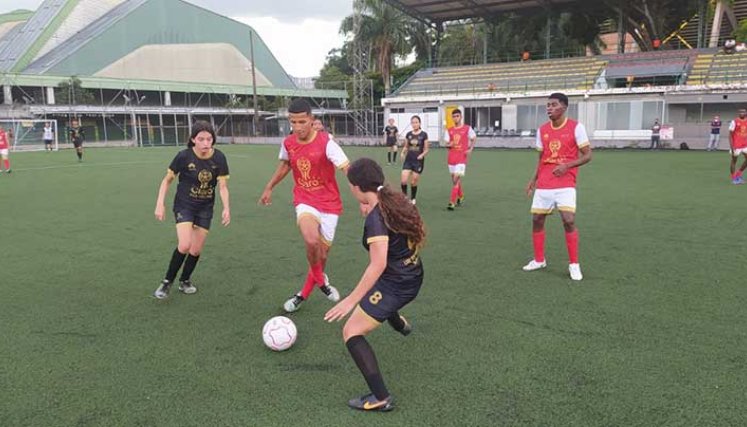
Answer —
(399, 214)
(200, 126)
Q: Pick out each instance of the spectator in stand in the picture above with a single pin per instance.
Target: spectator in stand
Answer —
(525, 56)
(730, 46)
(715, 133)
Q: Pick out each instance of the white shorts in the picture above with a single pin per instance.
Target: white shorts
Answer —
(4, 152)
(327, 222)
(459, 169)
(738, 152)
(545, 201)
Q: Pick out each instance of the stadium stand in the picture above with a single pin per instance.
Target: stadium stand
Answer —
(570, 73)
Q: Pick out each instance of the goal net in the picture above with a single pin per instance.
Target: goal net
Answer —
(29, 135)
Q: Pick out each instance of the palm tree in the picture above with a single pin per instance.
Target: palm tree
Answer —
(386, 32)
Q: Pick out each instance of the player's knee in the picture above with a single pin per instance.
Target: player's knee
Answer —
(538, 221)
(569, 225)
(183, 247)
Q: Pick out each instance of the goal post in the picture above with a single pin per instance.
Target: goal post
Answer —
(28, 134)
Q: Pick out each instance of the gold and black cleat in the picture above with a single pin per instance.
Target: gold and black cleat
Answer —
(450, 206)
(369, 402)
(460, 201)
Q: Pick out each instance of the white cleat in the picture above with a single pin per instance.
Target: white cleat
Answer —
(330, 291)
(293, 304)
(534, 265)
(575, 270)
(413, 202)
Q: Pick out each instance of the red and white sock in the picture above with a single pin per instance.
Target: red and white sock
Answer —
(308, 285)
(454, 194)
(538, 239)
(571, 241)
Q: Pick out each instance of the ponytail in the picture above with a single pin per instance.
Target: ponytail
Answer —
(401, 216)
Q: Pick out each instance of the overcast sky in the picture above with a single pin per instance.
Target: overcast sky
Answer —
(315, 23)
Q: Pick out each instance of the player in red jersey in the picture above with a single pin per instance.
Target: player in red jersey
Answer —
(738, 145)
(312, 156)
(4, 149)
(563, 146)
(461, 142)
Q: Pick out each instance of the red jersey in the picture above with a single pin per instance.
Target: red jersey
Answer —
(313, 165)
(3, 140)
(559, 146)
(739, 133)
(459, 138)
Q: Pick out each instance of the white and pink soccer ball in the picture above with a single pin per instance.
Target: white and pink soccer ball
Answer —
(279, 333)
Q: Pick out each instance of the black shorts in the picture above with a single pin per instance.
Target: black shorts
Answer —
(77, 143)
(416, 166)
(198, 216)
(391, 143)
(385, 299)
(48, 141)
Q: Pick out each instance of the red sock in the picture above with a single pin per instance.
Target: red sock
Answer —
(738, 174)
(571, 241)
(461, 193)
(308, 285)
(538, 238)
(454, 193)
(317, 272)
(6, 162)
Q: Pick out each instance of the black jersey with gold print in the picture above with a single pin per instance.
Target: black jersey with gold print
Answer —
(415, 143)
(198, 177)
(403, 265)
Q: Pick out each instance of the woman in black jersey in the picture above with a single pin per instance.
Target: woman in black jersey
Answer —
(393, 235)
(201, 168)
(414, 151)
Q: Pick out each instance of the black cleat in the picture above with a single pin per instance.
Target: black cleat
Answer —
(186, 287)
(293, 303)
(370, 403)
(163, 291)
(450, 206)
(460, 201)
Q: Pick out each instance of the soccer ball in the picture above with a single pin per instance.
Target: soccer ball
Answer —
(279, 333)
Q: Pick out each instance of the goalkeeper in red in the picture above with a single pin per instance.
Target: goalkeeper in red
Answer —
(564, 146)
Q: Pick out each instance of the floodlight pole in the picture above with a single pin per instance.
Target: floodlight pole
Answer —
(254, 85)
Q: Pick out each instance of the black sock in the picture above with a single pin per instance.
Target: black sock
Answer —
(396, 322)
(80, 155)
(189, 267)
(365, 358)
(177, 258)
(404, 188)
(394, 157)
(414, 191)
(389, 157)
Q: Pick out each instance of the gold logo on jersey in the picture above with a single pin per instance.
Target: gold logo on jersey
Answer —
(457, 143)
(204, 191)
(554, 147)
(191, 167)
(305, 180)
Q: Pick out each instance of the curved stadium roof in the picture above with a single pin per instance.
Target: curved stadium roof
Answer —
(435, 11)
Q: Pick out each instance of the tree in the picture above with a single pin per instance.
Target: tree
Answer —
(385, 32)
(70, 92)
(649, 20)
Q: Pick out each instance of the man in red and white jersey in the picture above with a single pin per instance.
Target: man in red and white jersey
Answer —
(313, 157)
(4, 149)
(564, 146)
(461, 142)
(738, 145)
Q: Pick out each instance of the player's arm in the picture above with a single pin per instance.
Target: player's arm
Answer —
(472, 140)
(426, 147)
(377, 264)
(532, 185)
(447, 139)
(280, 173)
(404, 148)
(337, 156)
(224, 198)
(732, 127)
(384, 137)
(162, 190)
